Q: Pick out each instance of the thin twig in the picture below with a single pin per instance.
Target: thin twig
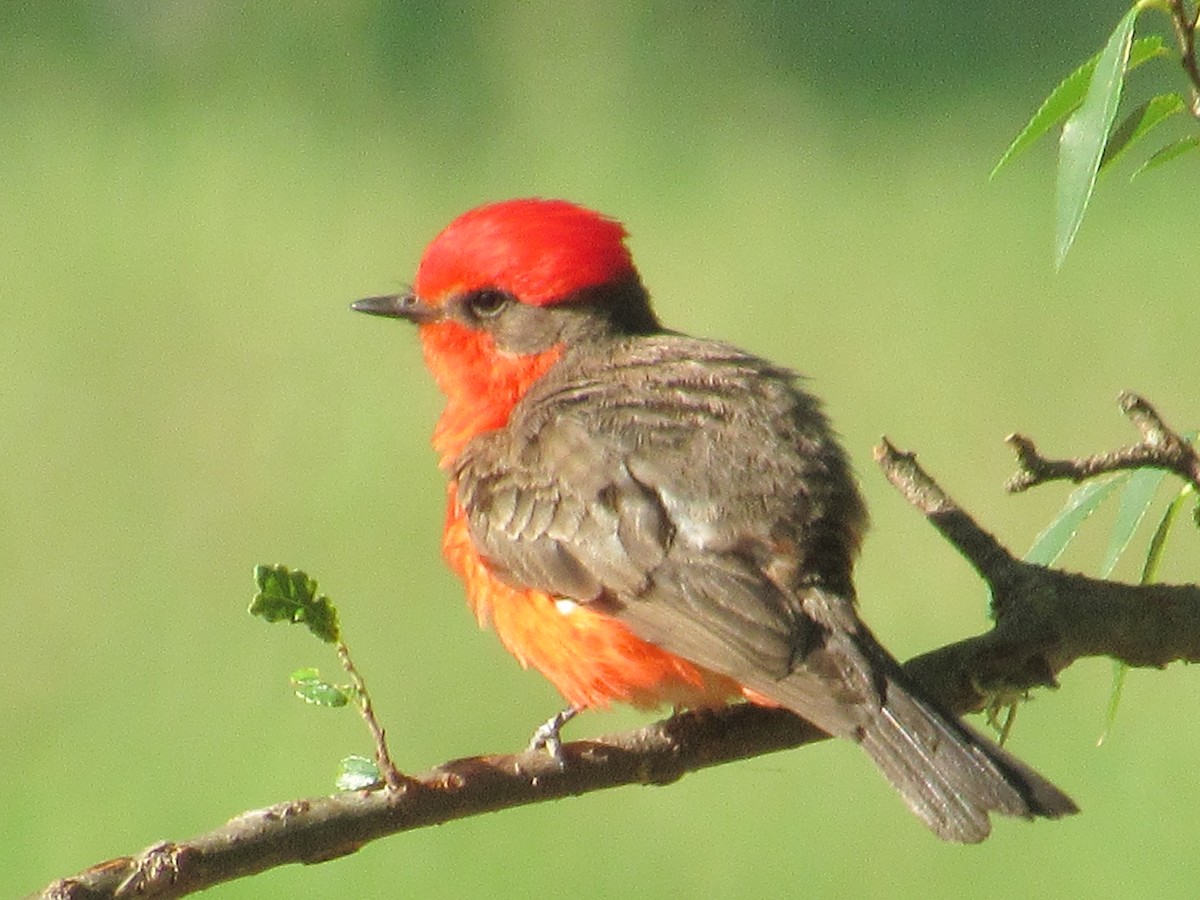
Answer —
(1160, 447)
(392, 776)
(1185, 34)
(980, 548)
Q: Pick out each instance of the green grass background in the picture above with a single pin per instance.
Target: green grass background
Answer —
(194, 191)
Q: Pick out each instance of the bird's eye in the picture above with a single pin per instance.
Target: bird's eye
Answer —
(486, 304)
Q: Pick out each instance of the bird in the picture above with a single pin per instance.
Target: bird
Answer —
(653, 519)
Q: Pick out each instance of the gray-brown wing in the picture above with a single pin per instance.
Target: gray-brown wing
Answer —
(677, 497)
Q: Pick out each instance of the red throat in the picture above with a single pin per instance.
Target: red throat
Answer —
(481, 384)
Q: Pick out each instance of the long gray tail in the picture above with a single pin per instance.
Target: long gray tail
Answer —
(949, 775)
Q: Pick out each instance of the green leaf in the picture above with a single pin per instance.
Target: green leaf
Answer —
(1085, 134)
(1065, 98)
(311, 689)
(357, 773)
(1139, 123)
(1082, 502)
(1120, 670)
(1143, 50)
(1158, 543)
(1149, 573)
(1172, 151)
(1159, 540)
(287, 596)
(1140, 488)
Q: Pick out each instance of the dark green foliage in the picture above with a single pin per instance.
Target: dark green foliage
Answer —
(291, 596)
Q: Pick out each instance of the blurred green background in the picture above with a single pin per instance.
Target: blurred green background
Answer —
(194, 191)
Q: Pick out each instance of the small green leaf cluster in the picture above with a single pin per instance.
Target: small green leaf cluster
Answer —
(287, 596)
(312, 689)
(1086, 103)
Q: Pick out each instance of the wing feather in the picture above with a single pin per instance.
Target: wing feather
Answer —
(672, 490)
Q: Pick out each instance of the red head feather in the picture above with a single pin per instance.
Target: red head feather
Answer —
(540, 251)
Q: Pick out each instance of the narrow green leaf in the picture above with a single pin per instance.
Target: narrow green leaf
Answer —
(1158, 543)
(1120, 670)
(1165, 154)
(1149, 573)
(1140, 488)
(357, 773)
(306, 674)
(1065, 98)
(1085, 134)
(1139, 123)
(291, 596)
(1082, 502)
(1143, 50)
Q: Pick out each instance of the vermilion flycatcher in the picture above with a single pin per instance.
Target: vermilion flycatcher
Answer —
(651, 519)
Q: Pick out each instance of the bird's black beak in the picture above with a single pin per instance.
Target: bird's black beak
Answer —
(398, 306)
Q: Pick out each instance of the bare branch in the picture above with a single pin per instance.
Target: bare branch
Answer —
(322, 828)
(982, 550)
(1045, 620)
(1159, 448)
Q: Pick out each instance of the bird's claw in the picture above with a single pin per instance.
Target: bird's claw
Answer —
(546, 737)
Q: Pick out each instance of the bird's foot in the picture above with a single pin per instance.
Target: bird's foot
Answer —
(547, 735)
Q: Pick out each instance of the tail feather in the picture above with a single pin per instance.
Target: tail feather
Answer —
(950, 776)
